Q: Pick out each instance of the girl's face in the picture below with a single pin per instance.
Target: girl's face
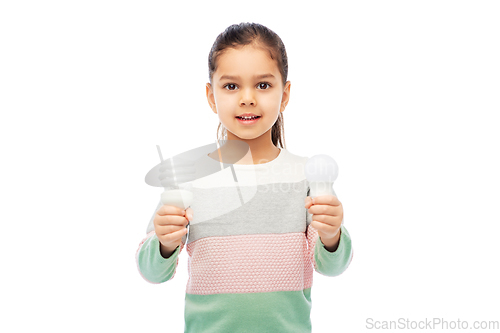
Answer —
(247, 80)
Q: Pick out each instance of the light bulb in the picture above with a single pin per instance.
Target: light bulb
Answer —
(321, 172)
(174, 172)
(187, 167)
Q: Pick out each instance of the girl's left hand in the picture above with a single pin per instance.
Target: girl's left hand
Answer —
(327, 215)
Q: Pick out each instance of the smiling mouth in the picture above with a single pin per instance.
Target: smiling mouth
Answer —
(248, 118)
(248, 121)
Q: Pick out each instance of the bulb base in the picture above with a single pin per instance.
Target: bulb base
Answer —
(178, 198)
(321, 188)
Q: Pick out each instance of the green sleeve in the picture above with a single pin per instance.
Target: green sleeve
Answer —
(153, 267)
(333, 263)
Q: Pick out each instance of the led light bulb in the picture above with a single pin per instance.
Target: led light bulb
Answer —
(321, 171)
(172, 173)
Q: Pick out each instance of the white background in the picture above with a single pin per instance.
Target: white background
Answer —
(403, 94)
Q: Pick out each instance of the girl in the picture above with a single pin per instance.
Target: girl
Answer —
(250, 266)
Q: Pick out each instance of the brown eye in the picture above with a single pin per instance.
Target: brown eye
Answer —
(264, 85)
(228, 85)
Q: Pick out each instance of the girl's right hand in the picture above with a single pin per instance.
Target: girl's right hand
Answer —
(170, 226)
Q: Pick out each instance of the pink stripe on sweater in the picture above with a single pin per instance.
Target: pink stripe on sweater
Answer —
(249, 264)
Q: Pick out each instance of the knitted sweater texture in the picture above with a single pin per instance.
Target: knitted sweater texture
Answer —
(251, 250)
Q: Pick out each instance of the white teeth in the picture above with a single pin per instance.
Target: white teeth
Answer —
(248, 118)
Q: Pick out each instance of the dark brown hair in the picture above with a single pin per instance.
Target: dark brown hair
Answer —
(238, 35)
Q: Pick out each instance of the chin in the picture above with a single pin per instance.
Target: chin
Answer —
(243, 136)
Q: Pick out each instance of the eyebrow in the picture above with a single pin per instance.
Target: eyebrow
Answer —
(230, 77)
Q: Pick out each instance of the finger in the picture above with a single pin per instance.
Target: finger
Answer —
(308, 202)
(163, 230)
(325, 210)
(189, 214)
(324, 228)
(168, 229)
(170, 210)
(327, 219)
(328, 199)
(174, 236)
(171, 220)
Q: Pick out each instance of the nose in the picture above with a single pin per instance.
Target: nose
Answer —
(247, 97)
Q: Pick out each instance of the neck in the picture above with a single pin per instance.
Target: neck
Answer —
(261, 149)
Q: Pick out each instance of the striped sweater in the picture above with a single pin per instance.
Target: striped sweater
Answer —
(251, 250)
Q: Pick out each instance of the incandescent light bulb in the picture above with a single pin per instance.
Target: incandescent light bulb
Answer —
(321, 171)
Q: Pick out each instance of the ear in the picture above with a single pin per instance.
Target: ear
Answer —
(211, 98)
(286, 96)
